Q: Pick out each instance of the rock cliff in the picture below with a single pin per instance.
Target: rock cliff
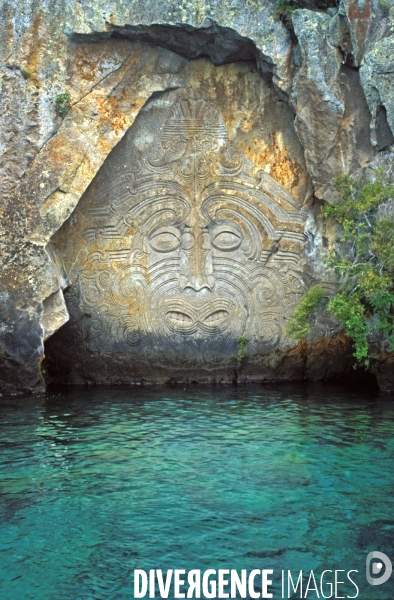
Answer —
(162, 168)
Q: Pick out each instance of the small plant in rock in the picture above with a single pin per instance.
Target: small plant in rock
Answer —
(25, 73)
(62, 102)
(285, 8)
(242, 343)
(384, 4)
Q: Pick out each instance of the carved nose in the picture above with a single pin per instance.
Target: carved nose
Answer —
(196, 263)
(196, 283)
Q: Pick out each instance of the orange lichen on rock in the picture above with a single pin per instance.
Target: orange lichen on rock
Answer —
(274, 159)
(87, 64)
(91, 63)
(36, 45)
(61, 150)
(110, 113)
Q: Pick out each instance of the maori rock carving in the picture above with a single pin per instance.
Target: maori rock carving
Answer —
(187, 250)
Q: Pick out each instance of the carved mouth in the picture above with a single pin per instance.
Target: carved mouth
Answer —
(179, 319)
(216, 318)
(183, 317)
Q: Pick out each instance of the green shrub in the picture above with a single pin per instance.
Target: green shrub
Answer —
(364, 265)
(350, 311)
(300, 325)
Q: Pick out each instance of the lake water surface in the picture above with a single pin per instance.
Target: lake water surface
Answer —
(95, 483)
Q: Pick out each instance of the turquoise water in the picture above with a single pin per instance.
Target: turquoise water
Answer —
(97, 483)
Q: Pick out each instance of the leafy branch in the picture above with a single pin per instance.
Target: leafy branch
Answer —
(364, 264)
(300, 325)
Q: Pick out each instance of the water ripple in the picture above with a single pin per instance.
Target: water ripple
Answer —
(96, 483)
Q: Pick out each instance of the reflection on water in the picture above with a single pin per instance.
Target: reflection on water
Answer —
(96, 483)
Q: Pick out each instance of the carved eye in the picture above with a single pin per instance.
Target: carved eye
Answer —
(226, 240)
(165, 239)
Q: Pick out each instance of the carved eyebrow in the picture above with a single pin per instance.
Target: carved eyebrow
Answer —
(165, 229)
(229, 225)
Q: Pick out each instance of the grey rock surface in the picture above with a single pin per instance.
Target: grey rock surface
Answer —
(334, 78)
(377, 76)
(332, 116)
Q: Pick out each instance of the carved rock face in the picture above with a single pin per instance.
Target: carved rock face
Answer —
(189, 246)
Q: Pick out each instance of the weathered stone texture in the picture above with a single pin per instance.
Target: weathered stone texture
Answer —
(377, 76)
(183, 244)
(332, 116)
(109, 58)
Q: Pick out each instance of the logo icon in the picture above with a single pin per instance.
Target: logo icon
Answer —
(377, 568)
